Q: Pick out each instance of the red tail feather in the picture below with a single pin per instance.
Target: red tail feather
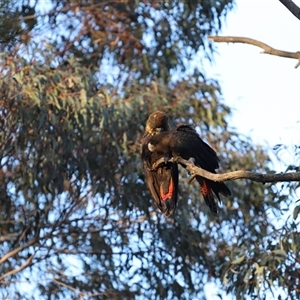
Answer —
(169, 195)
(205, 189)
(208, 195)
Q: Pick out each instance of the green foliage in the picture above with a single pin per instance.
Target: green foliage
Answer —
(76, 219)
(259, 270)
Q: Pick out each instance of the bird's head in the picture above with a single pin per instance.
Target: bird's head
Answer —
(157, 122)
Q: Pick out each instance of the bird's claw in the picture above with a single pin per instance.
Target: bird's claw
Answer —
(191, 160)
(161, 161)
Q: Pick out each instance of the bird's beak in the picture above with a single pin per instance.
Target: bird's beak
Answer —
(153, 131)
(158, 130)
(151, 147)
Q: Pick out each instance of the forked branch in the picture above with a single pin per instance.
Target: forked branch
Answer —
(267, 49)
(264, 178)
(19, 269)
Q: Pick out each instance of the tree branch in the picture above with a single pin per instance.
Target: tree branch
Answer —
(17, 250)
(267, 49)
(292, 7)
(264, 178)
(13, 271)
(20, 248)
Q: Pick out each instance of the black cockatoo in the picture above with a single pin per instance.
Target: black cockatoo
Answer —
(163, 181)
(185, 142)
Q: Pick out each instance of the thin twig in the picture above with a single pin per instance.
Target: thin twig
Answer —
(26, 264)
(69, 287)
(17, 250)
(267, 49)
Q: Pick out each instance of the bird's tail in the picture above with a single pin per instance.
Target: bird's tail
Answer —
(208, 187)
(168, 189)
(207, 194)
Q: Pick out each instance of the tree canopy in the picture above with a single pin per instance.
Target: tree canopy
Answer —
(78, 81)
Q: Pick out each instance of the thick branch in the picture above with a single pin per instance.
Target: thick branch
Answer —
(194, 170)
(292, 7)
(267, 49)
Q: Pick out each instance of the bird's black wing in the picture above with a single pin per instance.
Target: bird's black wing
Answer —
(185, 142)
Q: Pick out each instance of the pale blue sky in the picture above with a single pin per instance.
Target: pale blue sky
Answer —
(262, 89)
